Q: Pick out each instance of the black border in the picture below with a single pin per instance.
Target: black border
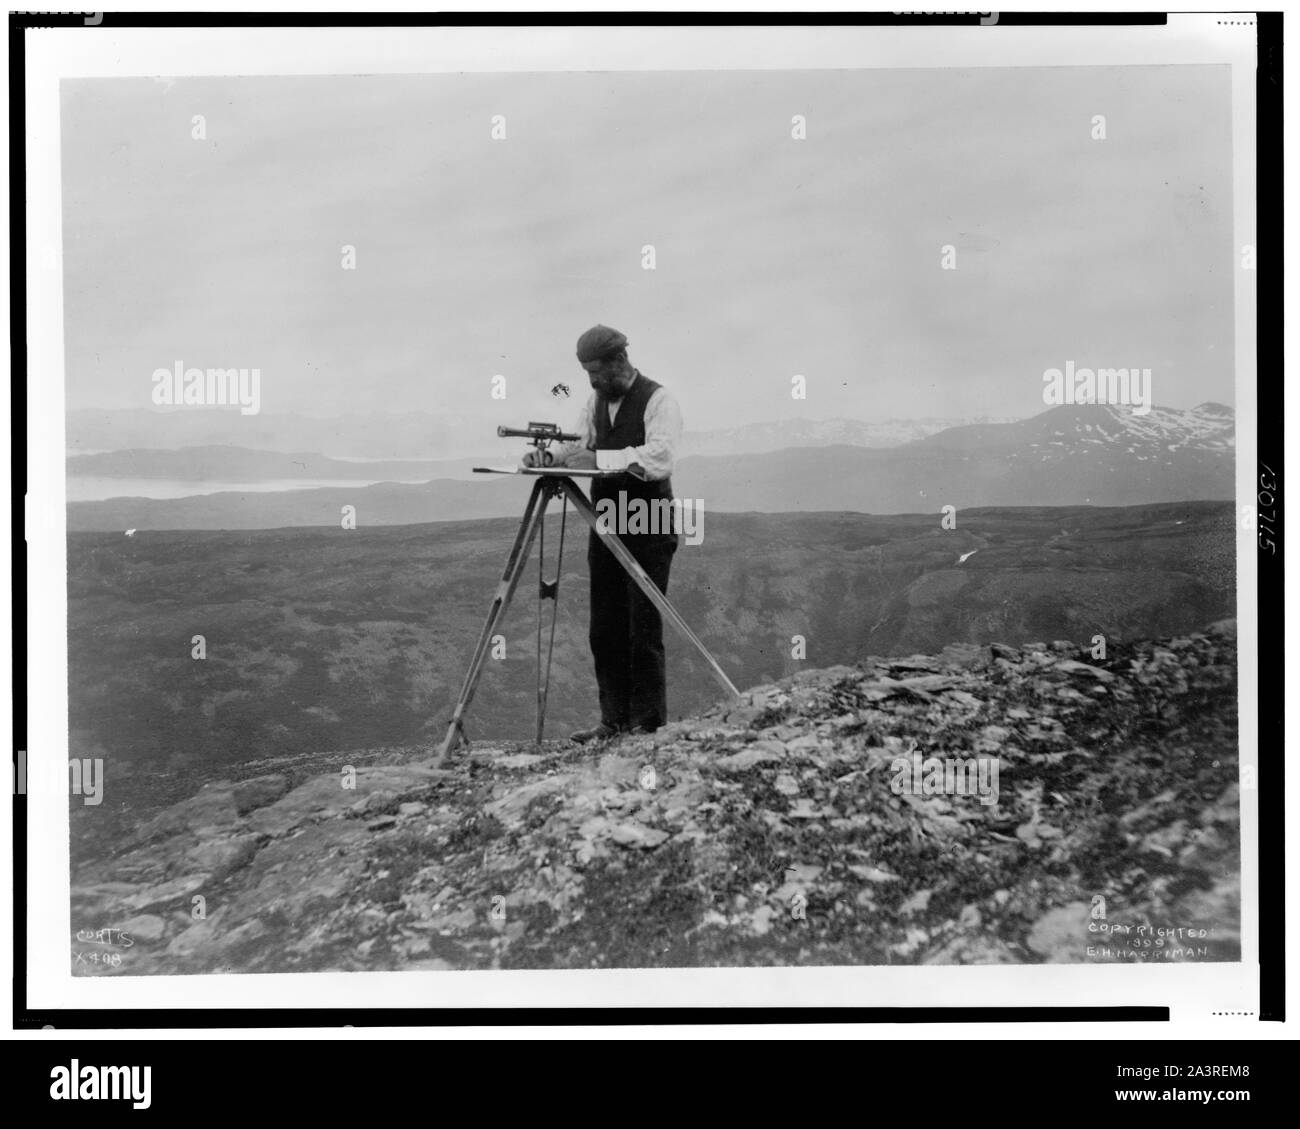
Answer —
(587, 19)
(1269, 440)
(1269, 202)
(346, 1078)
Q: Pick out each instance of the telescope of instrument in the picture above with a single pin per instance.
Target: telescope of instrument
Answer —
(541, 434)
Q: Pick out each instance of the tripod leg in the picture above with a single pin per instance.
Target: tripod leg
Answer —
(547, 591)
(648, 586)
(528, 527)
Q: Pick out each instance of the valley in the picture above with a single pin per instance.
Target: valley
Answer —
(326, 639)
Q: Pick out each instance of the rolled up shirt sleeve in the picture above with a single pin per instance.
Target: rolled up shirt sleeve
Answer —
(663, 435)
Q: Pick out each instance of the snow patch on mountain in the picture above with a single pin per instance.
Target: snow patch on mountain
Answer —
(775, 435)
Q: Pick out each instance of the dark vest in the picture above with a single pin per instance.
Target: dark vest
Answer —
(627, 430)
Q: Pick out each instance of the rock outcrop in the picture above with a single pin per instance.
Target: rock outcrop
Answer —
(984, 805)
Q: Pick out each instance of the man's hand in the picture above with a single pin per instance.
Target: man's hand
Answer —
(578, 459)
(581, 460)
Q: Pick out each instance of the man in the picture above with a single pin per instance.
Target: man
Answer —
(638, 426)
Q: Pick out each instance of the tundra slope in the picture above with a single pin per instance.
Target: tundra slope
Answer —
(760, 832)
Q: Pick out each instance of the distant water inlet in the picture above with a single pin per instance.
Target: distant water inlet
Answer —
(100, 488)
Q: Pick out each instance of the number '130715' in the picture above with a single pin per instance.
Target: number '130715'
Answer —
(1267, 496)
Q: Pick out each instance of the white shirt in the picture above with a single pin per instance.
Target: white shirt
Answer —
(663, 435)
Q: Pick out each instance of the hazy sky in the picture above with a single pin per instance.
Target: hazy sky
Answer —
(773, 256)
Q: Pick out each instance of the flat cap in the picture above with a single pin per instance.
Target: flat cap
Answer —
(599, 341)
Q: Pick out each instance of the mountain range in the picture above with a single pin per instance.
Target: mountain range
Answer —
(225, 463)
(361, 435)
(776, 435)
(383, 436)
(1065, 456)
(221, 463)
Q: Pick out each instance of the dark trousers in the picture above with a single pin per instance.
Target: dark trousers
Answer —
(627, 633)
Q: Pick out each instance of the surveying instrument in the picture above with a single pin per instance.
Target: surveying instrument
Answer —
(553, 482)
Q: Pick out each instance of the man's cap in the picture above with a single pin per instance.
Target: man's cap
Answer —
(599, 341)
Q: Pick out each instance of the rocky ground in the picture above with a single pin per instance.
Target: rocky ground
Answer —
(774, 830)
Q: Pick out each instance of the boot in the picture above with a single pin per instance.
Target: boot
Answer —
(601, 732)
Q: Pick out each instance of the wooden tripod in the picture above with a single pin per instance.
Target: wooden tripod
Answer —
(552, 483)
